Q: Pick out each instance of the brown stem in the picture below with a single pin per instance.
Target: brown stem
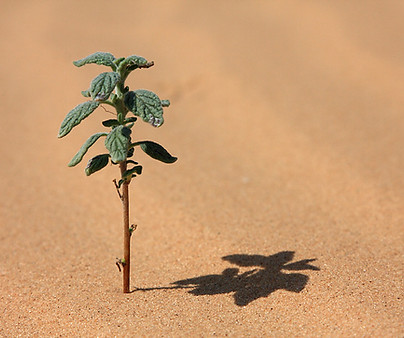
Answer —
(126, 232)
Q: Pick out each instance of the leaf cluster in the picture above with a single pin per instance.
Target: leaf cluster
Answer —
(109, 88)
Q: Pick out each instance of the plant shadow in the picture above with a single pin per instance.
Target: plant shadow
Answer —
(265, 278)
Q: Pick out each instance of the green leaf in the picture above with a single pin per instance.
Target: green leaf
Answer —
(118, 61)
(130, 119)
(117, 143)
(126, 131)
(86, 93)
(76, 115)
(165, 103)
(131, 152)
(84, 148)
(145, 104)
(110, 123)
(96, 163)
(135, 170)
(100, 58)
(132, 62)
(103, 85)
(121, 181)
(156, 151)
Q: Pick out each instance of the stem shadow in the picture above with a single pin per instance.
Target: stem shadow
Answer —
(266, 277)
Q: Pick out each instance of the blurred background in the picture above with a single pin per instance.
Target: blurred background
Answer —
(286, 117)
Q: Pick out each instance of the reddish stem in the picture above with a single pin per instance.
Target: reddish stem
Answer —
(126, 232)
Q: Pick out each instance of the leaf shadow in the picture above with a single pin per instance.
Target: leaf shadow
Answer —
(265, 277)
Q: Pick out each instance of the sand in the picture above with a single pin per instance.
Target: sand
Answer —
(284, 213)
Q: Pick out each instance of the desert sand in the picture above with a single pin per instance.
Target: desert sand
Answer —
(283, 215)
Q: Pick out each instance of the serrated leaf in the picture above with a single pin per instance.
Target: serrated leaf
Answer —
(117, 143)
(84, 148)
(96, 163)
(132, 62)
(103, 85)
(110, 123)
(156, 151)
(100, 58)
(146, 105)
(76, 115)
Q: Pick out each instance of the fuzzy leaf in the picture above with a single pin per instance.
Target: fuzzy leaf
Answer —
(76, 115)
(100, 58)
(96, 163)
(103, 85)
(165, 103)
(84, 148)
(145, 104)
(131, 151)
(135, 170)
(85, 93)
(110, 123)
(132, 62)
(156, 151)
(118, 61)
(117, 143)
(126, 130)
(130, 119)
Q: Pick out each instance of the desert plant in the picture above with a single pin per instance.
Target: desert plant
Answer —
(109, 88)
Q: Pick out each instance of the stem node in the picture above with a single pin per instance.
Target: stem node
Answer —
(120, 262)
(132, 228)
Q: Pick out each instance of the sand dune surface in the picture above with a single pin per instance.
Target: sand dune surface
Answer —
(283, 215)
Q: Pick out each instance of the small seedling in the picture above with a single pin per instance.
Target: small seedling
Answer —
(109, 88)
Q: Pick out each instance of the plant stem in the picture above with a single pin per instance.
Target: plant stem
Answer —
(126, 233)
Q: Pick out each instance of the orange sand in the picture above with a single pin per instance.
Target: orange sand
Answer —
(287, 118)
